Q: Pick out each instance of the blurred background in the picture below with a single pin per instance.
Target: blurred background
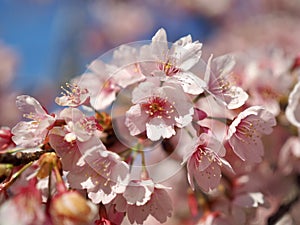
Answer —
(44, 43)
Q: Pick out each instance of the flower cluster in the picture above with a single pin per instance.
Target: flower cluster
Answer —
(92, 161)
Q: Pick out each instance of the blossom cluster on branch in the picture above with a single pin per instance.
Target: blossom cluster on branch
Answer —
(232, 125)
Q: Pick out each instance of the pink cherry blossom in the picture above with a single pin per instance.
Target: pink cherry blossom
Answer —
(158, 109)
(68, 151)
(5, 138)
(101, 87)
(289, 156)
(271, 65)
(173, 64)
(74, 97)
(143, 198)
(126, 58)
(107, 173)
(217, 75)
(104, 81)
(78, 126)
(90, 166)
(25, 208)
(204, 162)
(244, 133)
(293, 109)
(31, 133)
(88, 163)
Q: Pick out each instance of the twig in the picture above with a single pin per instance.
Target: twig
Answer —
(22, 158)
(284, 208)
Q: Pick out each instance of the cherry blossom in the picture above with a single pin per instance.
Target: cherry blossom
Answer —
(102, 88)
(204, 162)
(31, 133)
(105, 176)
(244, 133)
(103, 81)
(79, 126)
(158, 109)
(25, 208)
(73, 97)
(5, 138)
(143, 198)
(173, 64)
(219, 85)
(293, 109)
(260, 70)
(289, 156)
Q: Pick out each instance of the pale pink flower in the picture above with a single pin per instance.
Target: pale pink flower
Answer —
(31, 133)
(74, 97)
(108, 174)
(90, 166)
(244, 133)
(78, 126)
(126, 59)
(25, 208)
(5, 138)
(8, 66)
(158, 109)
(101, 87)
(104, 81)
(273, 66)
(143, 198)
(88, 163)
(68, 151)
(173, 64)
(204, 162)
(217, 75)
(289, 156)
(293, 109)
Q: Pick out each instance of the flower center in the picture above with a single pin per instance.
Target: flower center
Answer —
(203, 151)
(245, 129)
(90, 124)
(168, 67)
(73, 92)
(158, 107)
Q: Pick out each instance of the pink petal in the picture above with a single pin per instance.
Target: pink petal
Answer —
(209, 178)
(136, 120)
(28, 104)
(249, 149)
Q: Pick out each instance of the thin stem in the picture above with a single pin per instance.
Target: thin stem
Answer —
(196, 99)
(189, 133)
(15, 176)
(50, 182)
(224, 120)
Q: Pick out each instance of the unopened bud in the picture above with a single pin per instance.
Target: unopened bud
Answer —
(5, 170)
(46, 162)
(70, 208)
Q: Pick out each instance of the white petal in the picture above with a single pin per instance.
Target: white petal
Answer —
(293, 109)
(157, 128)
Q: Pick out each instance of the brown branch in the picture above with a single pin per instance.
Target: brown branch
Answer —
(284, 208)
(22, 158)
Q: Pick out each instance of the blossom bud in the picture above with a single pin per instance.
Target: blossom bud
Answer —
(46, 162)
(5, 138)
(5, 170)
(70, 208)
